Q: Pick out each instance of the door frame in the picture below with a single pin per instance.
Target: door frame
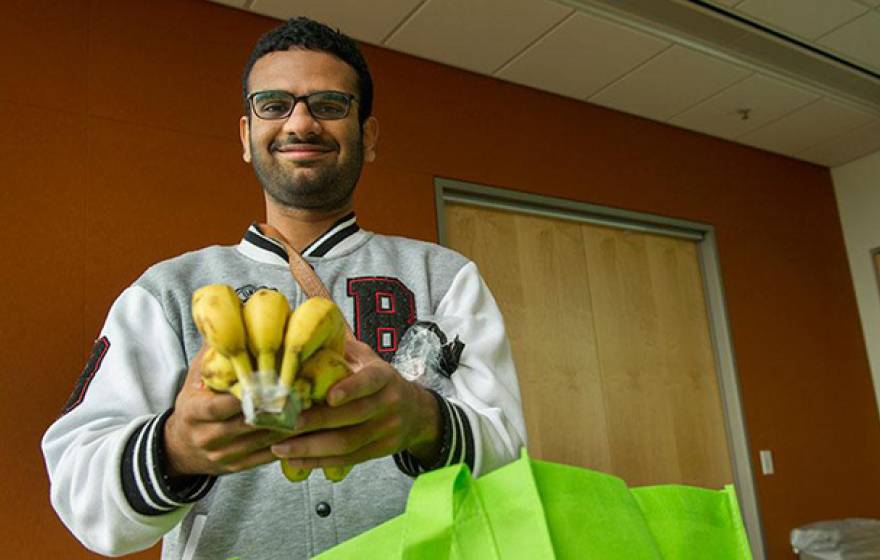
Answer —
(453, 191)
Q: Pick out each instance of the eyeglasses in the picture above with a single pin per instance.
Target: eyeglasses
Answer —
(323, 105)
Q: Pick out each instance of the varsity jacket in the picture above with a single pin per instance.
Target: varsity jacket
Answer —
(104, 454)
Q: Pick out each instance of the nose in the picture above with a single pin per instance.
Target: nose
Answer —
(301, 123)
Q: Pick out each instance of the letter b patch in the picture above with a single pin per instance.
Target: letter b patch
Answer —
(383, 310)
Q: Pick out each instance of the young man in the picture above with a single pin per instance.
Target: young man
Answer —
(144, 451)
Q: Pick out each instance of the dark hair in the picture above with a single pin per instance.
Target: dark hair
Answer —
(309, 34)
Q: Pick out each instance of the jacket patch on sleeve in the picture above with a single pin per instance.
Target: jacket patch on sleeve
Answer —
(99, 350)
(384, 308)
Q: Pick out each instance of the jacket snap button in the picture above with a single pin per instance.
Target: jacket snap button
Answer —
(322, 509)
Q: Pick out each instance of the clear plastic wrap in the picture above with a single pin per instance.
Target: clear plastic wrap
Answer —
(268, 404)
(426, 357)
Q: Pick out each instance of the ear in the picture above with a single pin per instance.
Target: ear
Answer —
(371, 138)
(245, 134)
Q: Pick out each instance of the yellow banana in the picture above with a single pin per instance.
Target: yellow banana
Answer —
(216, 311)
(323, 369)
(312, 362)
(310, 326)
(265, 315)
(292, 474)
(217, 370)
(336, 474)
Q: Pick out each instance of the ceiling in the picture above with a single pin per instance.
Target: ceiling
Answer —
(795, 77)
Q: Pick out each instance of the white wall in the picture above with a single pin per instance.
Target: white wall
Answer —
(857, 187)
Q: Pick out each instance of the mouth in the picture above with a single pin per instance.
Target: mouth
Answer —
(303, 152)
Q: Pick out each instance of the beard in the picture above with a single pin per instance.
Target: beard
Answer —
(325, 188)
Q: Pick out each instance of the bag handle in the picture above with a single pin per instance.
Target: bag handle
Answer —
(302, 271)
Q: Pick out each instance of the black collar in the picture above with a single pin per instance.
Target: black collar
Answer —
(341, 230)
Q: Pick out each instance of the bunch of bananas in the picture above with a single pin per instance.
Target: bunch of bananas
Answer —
(309, 340)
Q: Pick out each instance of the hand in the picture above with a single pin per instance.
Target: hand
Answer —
(206, 433)
(372, 413)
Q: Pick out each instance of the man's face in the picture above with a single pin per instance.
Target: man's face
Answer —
(303, 162)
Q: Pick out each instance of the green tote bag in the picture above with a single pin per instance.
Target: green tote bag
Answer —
(532, 509)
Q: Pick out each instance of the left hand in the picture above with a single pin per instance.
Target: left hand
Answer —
(372, 413)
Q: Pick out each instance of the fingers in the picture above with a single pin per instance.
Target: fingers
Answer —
(209, 406)
(364, 382)
(378, 448)
(349, 442)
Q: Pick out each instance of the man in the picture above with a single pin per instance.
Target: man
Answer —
(144, 451)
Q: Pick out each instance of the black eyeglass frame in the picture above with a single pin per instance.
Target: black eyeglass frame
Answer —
(297, 98)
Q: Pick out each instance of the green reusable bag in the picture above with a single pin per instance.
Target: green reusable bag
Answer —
(536, 509)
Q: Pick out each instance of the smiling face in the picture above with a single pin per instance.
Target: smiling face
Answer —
(303, 162)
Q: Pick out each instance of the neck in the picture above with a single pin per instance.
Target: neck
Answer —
(299, 226)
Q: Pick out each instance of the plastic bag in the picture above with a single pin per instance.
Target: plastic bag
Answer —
(843, 539)
(427, 357)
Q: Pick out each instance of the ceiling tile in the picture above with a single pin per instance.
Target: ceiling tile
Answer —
(670, 83)
(859, 39)
(730, 3)
(847, 147)
(807, 18)
(370, 21)
(581, 56)
(807, 127)
(765, 98)
(477, 36)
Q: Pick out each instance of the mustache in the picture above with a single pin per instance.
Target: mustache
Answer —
(281, 143)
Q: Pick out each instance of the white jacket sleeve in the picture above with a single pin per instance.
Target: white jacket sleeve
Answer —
(101, 454)
(482, 420)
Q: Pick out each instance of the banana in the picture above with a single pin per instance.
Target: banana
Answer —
(310, 326)
(292, 474)
(265, 315)
(336, 474)
(216, 311)
(312, 362)
(217, 370)
(323, 369)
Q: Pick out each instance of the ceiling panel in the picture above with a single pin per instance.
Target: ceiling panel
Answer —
(765, 98)
(370, 21)
(807, 18)
(859, 39)
(807, 127)
(581, 56)
(670, 83)
(477, 36)
(847, 147)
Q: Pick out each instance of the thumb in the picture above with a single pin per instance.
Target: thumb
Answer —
(358, 353)
(194, 374)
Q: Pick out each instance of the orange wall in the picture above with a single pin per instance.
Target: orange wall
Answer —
(119, 148)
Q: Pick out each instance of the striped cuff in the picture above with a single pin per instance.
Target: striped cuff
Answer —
(147, 487)
(457, 441)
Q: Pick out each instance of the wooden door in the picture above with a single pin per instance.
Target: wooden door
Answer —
(610, 335)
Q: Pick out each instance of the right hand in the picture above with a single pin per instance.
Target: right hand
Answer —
(206, 434)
